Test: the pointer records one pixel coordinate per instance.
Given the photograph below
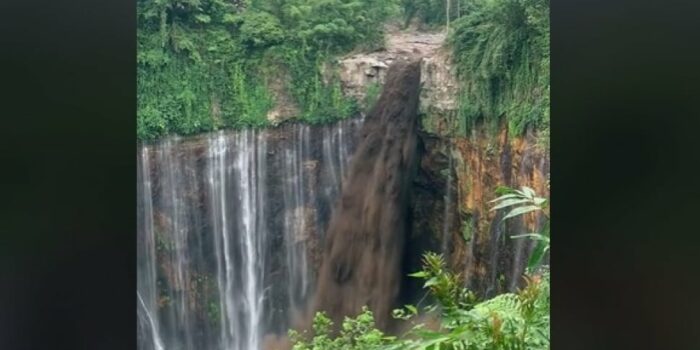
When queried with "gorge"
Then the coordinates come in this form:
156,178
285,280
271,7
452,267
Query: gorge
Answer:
232,225
244,233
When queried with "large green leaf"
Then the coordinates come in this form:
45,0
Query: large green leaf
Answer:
529,192
521,211
430,282
511,202
534,236
419,274
506,196
537,254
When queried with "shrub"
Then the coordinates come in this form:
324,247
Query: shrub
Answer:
260,30
200,62
505,322
501,49
511,321
358,333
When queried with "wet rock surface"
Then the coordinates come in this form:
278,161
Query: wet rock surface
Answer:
359,71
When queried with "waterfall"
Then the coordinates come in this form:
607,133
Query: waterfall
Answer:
229,223
146,252
157,343
295,223
363,258
448,205
217,172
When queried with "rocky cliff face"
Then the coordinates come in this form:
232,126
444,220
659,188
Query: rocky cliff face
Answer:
359,71
458,174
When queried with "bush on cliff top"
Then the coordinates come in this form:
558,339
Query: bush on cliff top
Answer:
203,64
501,49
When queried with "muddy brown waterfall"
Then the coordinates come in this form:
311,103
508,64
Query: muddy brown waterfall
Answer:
365,237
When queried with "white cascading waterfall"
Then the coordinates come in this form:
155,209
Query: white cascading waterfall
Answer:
295,218
146,253
219,171
228,223
157,343
238,160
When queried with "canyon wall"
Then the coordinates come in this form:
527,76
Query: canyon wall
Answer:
459,171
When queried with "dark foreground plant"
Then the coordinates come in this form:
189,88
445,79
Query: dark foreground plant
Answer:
512,321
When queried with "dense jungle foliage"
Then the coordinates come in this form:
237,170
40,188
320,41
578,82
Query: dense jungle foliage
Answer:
433,13
501,50
210,64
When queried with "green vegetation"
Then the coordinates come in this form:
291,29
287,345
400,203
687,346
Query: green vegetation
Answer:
433,12
372,95
510,321
207,64
501,48
214,313
522,202
210,64
357,333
